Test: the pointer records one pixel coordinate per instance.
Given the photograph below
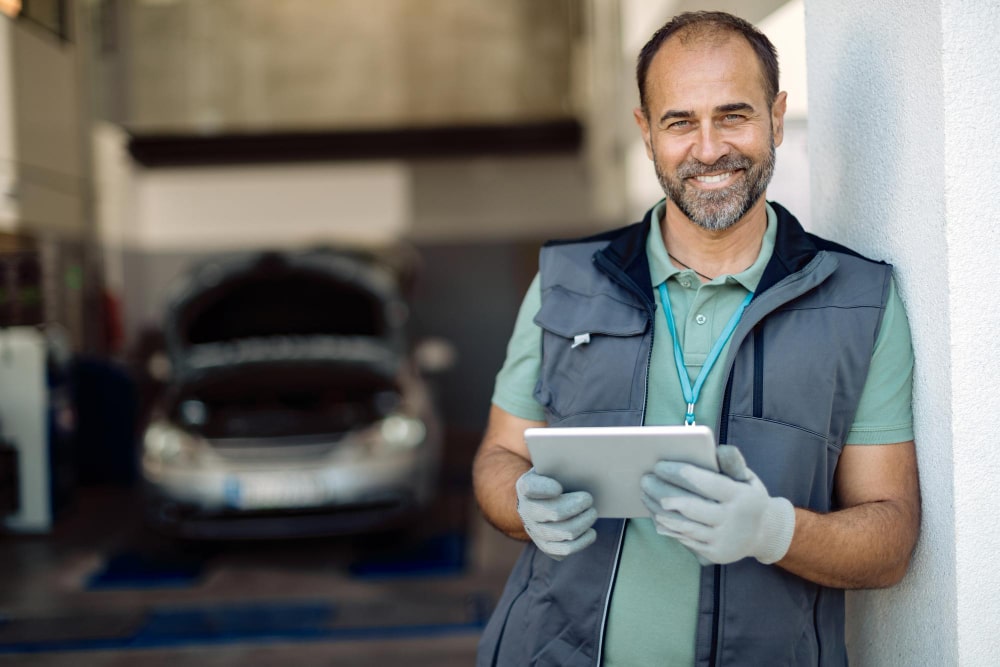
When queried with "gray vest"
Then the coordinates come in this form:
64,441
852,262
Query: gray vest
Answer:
796,369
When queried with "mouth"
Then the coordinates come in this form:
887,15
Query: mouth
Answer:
719,180
715,179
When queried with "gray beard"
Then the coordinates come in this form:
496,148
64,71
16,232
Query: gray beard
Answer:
718,210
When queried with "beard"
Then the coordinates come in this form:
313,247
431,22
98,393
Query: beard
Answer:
718,210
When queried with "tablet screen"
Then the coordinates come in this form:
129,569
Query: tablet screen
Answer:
609,461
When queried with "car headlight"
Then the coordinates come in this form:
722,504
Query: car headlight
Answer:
401,433
166,444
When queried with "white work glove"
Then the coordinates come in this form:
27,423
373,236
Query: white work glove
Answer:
558,523
720,517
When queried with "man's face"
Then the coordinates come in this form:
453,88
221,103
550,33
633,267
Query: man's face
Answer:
709,129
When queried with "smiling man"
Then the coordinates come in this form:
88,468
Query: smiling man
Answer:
716,308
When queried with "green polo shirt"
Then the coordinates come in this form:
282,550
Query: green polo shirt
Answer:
654,607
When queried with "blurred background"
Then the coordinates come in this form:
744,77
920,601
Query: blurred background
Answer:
258,265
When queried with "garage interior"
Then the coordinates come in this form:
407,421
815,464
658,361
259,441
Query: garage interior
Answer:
142,138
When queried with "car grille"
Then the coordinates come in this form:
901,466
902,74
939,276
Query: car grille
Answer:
300,448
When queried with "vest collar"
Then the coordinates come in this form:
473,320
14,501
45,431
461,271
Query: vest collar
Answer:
793,250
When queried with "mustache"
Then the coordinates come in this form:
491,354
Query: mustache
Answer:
693,167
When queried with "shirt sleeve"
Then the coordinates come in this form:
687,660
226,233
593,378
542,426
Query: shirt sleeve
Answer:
515,383
885,413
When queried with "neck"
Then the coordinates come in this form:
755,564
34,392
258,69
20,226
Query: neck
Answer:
714,253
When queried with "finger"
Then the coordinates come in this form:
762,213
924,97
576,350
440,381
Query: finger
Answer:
654,507
732,463
693,547
705,483
702,551
533,485
652,504
679,527
569,547
574,527
668,532
556,509
659,489
695,508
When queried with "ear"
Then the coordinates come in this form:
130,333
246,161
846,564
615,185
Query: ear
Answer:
643,122
778,117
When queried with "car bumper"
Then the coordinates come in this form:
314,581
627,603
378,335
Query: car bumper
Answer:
246,503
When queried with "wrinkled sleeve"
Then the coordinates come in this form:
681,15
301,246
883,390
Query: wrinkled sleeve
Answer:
515,383
885,413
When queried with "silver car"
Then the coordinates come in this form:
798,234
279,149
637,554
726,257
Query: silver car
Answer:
294,406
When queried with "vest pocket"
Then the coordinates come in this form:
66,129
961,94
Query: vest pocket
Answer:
592,348
792,462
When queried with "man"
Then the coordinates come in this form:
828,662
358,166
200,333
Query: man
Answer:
808,386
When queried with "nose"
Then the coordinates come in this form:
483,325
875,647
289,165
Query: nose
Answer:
708,145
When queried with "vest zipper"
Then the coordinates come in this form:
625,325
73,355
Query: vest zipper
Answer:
625,281
607,597
758,410
713,654
758,371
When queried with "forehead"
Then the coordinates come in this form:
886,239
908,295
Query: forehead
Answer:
688,74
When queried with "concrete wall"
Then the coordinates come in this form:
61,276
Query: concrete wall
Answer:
44,172
238,64
902,158
48,135
41,170
8,149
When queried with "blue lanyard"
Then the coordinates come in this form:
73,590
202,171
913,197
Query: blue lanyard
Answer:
691,395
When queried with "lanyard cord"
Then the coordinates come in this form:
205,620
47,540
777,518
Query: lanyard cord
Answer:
691,395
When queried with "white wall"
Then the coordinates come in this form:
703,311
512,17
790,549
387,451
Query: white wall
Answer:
972,206
903,157
230,208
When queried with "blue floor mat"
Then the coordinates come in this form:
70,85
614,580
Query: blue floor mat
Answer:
133,570
440,555
270,621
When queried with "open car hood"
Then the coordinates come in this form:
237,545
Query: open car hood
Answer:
285,309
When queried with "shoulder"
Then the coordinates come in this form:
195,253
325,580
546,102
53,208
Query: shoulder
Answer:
600,239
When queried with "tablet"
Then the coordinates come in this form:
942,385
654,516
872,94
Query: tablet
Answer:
609,461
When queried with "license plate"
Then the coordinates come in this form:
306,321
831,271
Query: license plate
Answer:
277,491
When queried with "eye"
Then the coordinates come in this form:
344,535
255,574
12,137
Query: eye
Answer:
679,125
732,118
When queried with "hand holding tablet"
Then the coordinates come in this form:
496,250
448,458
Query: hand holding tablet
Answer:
610,461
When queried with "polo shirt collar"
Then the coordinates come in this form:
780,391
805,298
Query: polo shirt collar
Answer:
662,269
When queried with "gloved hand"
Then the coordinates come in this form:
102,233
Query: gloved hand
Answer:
558,523
721,517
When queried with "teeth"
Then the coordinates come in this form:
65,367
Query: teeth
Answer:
713,179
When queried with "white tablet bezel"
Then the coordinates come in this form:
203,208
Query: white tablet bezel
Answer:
609,461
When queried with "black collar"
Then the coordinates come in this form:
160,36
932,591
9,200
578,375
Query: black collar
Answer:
793,249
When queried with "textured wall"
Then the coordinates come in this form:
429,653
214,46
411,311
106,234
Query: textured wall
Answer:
972,200
901,170
235,64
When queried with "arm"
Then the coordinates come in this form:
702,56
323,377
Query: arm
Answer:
726,516
502,458
868,543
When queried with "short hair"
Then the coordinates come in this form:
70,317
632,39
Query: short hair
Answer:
711,24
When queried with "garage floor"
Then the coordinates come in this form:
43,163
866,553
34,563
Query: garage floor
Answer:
103,591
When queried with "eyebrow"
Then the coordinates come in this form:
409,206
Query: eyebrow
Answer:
724,108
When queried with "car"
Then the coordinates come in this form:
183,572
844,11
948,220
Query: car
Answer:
294,404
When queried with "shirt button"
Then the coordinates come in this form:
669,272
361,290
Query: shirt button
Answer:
685,283
701,319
